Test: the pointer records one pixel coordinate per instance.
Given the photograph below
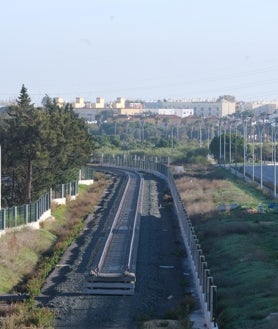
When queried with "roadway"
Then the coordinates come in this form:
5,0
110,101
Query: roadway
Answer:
267,172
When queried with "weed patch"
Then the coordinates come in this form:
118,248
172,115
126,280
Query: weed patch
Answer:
27,256
240,245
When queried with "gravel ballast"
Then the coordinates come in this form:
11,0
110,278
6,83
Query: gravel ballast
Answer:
162,274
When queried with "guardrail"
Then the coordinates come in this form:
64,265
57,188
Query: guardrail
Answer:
207,290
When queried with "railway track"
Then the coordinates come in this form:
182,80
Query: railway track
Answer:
114,270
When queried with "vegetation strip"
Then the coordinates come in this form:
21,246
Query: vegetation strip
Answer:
240,244
68,223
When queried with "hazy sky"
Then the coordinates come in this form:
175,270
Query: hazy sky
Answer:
148,49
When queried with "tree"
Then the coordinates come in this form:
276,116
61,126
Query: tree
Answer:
166,121
228,98
42,147
237,144
69,143
23,144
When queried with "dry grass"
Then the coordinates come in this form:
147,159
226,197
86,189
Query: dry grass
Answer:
19,253
20,250
70,216
22,316
202,194
240,245
23,255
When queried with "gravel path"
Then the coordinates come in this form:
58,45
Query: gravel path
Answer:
161,271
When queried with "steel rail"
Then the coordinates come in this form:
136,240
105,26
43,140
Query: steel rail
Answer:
115,222
115,271
136,226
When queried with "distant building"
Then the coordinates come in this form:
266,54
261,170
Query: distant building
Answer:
88,104
257,104
119,104
88,114
183,113
99,104
265,109
214,109
178,112
200,108
258,107
134,105
182,109
130,111
59,101
79,103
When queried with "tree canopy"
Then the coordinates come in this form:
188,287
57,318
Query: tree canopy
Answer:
41,147
221,146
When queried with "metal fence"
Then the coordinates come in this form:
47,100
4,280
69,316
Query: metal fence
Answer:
64,190
86,173
30,213
202,275
24,214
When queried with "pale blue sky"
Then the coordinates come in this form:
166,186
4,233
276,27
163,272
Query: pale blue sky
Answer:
148,49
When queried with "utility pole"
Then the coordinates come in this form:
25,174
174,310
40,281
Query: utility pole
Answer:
224,149
244,146
220,146
0,176
261,157
230,144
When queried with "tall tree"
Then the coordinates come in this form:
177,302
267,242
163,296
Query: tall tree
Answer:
42,147
221,144
70,143
23,137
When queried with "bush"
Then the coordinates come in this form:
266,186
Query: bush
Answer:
26,315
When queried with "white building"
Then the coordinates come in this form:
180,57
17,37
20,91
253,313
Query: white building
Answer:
182,113
201,108
79,103
99,104
59,101
119,104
